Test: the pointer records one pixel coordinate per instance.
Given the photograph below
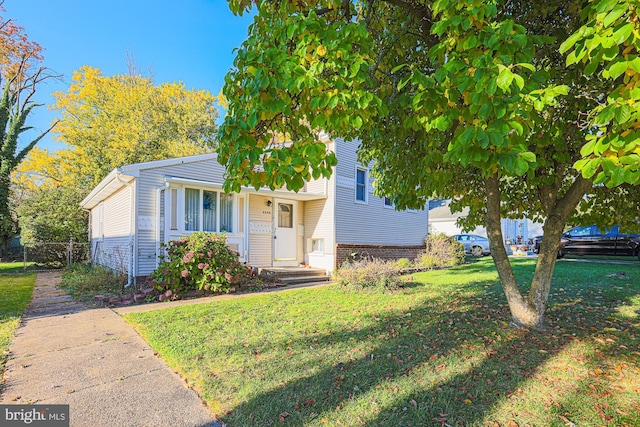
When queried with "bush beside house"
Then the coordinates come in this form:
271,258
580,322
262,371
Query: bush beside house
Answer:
200,261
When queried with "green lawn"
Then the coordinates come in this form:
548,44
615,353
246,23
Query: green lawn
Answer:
15,294
439,352
15,267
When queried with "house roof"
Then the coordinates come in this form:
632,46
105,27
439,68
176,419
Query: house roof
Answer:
443,213
119,177
263,191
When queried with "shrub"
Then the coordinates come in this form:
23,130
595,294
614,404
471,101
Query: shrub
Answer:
441,251
372,274
200,261
403,263
83,282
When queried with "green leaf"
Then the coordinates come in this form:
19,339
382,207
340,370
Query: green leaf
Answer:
496,139
606,115
623,114
569,42
617,69
521,166
528,156
483,112
519,81
623,33
403,82
631,176
635,65
587,149
526,65
504,80
616,13
398,68
517,127
441,123
605,5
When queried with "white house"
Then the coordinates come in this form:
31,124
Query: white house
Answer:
137,208
442,220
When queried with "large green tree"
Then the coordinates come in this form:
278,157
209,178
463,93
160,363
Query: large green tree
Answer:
19,77
463,99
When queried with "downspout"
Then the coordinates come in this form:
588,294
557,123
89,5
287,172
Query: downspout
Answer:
132,221
89,234
157,231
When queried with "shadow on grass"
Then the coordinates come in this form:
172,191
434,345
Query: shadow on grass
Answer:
431,365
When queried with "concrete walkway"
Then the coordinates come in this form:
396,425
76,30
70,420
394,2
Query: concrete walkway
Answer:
92,360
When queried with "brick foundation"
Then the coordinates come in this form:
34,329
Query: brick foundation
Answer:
344,251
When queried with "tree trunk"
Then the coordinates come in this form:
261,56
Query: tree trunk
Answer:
528,312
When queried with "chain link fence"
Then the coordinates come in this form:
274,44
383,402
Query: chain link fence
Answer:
53,254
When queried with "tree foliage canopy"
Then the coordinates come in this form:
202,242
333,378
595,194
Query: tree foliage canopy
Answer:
19,78
110,121
464,99
62,221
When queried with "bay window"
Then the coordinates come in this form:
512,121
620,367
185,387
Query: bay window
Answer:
206,210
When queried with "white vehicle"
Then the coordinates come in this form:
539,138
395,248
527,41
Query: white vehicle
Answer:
473,244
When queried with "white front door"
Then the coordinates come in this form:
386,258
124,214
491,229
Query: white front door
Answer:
285,236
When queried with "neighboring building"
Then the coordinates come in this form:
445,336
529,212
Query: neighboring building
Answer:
139,207
441,220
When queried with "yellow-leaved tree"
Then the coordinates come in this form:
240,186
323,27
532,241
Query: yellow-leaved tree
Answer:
106,122
110,121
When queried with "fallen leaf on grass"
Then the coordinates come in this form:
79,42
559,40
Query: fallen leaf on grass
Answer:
566,420
282,416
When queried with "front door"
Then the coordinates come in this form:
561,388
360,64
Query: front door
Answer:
285,234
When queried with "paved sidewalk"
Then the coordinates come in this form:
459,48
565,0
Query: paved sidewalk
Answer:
91,359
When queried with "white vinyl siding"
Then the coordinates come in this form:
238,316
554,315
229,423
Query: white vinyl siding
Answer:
112,240
319,220
151,179
371,223
260,231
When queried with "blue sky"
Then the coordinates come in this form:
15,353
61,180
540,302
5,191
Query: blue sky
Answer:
189,41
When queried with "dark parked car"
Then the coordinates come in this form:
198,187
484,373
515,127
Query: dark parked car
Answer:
590,240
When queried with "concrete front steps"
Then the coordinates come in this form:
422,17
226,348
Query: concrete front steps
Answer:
293,275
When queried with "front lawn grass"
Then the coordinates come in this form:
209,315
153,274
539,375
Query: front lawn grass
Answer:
15,295
15,267
439,352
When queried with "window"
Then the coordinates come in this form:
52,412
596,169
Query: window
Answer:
317,245
226,213
285,215
581,231
209,202
361,185
206,210
389,204
174,209
241,215
191,209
